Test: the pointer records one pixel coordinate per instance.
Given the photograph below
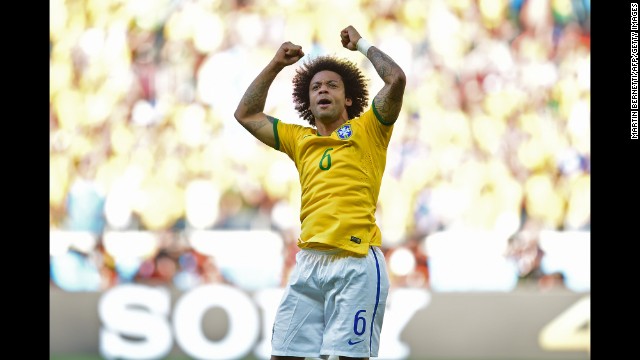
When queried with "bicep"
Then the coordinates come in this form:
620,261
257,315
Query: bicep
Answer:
261,127
388,102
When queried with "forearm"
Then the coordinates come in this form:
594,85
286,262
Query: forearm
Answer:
255,97
386,68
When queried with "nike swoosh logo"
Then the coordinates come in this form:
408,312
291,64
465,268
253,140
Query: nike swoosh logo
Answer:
353,343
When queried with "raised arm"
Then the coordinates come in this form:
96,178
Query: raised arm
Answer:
388,100
249,112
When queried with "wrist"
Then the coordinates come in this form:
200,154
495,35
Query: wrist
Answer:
363,46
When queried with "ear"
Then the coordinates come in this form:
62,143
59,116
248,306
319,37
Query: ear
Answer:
347,102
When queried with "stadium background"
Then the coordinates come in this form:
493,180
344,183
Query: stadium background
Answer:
486,191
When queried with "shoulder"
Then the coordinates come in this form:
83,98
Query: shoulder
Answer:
293,128
374,126
288,134
371,116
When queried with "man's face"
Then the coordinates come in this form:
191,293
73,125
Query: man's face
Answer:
327,97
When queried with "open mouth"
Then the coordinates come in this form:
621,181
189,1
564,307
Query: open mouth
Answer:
324,102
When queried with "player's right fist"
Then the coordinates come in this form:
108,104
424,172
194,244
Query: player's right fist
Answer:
288,54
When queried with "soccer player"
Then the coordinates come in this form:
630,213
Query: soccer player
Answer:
335,298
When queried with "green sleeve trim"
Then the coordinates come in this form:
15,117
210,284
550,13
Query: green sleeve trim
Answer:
275,134
378,116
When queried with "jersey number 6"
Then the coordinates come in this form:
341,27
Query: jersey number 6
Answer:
326,158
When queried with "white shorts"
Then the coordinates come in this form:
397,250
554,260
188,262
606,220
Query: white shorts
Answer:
333,304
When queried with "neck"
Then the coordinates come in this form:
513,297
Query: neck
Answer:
325,128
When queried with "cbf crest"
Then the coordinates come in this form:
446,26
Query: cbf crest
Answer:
344,132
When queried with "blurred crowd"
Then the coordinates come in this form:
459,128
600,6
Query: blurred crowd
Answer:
494,133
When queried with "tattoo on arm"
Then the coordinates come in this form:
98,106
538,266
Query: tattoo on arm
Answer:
254,126
382,63
255,97
388,100
388,103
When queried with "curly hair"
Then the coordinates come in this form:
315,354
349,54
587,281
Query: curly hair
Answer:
354,85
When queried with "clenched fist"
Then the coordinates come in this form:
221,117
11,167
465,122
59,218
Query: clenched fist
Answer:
349,37
288,54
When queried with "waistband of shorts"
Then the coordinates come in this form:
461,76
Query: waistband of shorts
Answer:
334,251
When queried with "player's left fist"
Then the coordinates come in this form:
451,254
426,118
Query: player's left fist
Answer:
349,37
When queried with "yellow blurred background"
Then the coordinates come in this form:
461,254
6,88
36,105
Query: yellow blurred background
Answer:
494,134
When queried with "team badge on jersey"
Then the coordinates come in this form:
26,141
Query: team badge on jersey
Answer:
344,132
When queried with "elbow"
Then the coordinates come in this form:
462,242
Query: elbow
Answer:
398,80
401,79
239,115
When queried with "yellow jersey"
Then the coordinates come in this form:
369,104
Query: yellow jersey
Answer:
340,177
